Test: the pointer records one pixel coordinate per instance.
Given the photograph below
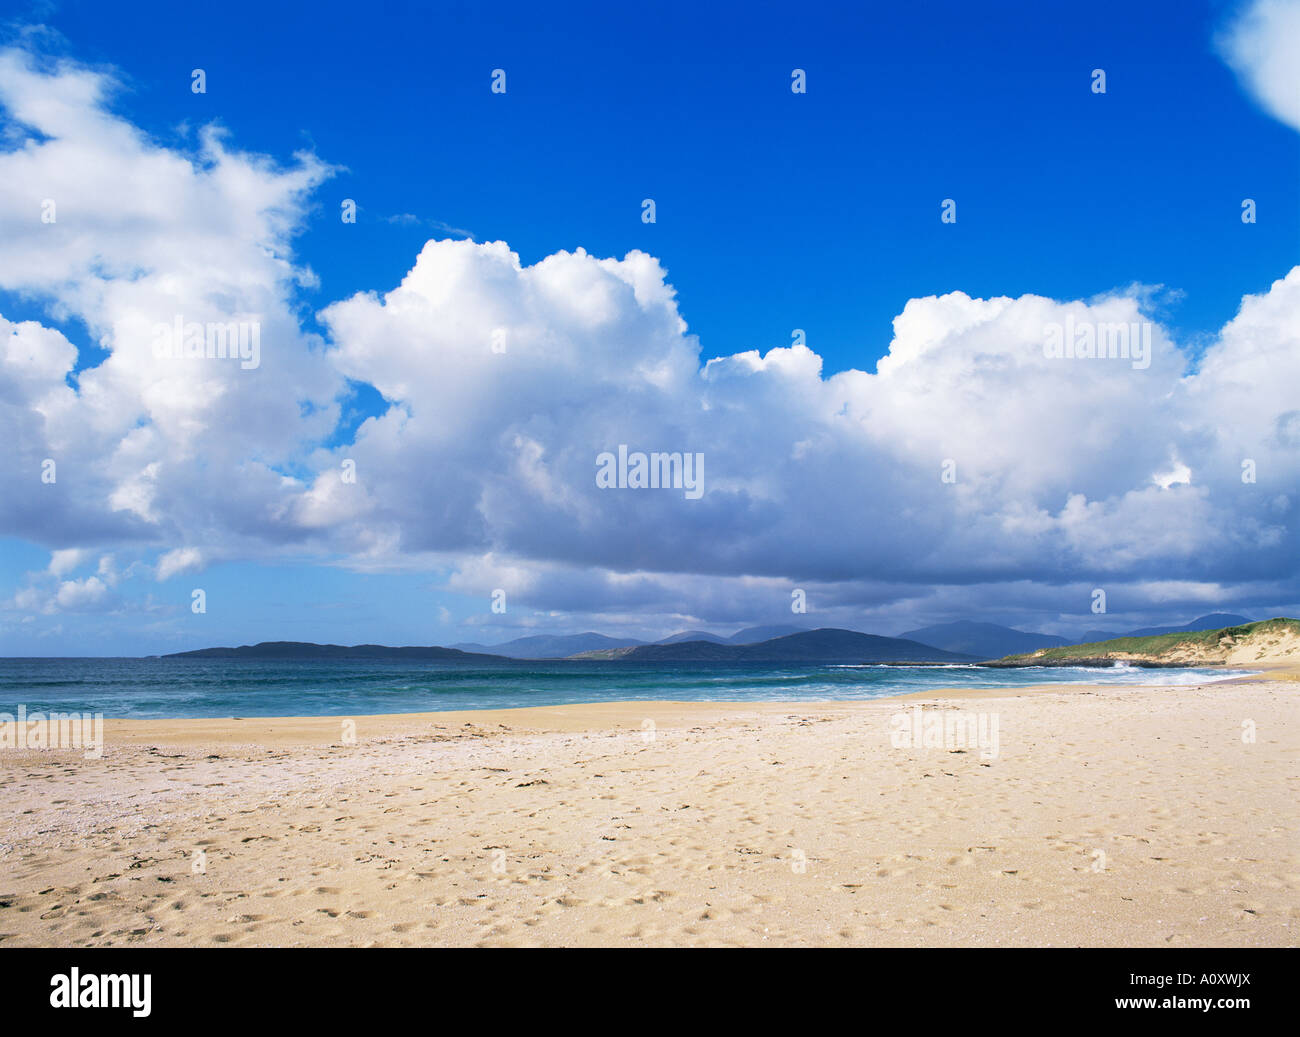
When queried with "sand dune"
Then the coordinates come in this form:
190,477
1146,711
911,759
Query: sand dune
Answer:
1119,816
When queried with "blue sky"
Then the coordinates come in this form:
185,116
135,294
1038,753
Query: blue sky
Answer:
775,211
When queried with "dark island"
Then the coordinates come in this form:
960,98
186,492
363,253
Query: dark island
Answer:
825,646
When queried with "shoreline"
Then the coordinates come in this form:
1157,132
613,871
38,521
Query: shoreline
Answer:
571,717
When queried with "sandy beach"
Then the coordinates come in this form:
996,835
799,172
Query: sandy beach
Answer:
1113,816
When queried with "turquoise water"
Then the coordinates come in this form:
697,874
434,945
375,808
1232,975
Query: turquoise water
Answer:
236,688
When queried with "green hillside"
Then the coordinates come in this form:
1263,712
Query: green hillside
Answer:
1155,649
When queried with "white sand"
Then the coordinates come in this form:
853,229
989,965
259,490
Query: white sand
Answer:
1116,816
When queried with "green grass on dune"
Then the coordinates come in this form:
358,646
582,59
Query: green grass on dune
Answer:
1160,644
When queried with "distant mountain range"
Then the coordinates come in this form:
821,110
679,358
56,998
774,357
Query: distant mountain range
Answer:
307,650
691,635
982,640
543,646
962,641
825,645
547,646
752,635
806,646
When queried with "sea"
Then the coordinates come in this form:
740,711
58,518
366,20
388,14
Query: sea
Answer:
179,688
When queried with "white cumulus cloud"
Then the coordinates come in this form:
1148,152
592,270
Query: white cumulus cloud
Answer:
969,458
1262,45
